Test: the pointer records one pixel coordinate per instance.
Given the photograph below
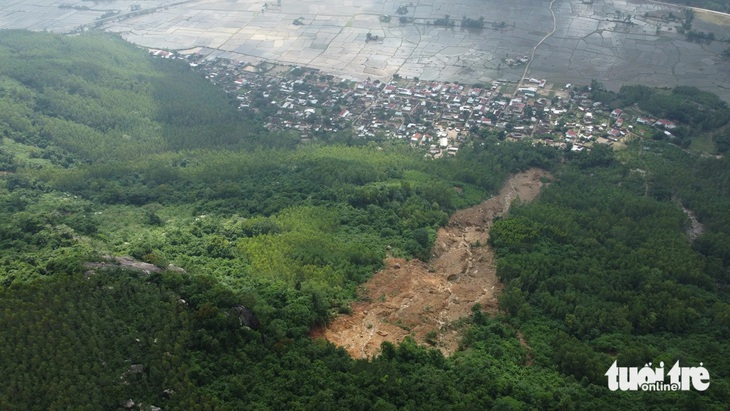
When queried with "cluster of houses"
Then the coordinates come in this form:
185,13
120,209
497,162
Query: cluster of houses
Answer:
585,122
438,116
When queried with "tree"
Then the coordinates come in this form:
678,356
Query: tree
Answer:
689,16
596,85
722,143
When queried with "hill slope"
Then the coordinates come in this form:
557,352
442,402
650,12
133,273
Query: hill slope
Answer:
275,239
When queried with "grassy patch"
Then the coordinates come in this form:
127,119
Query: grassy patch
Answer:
25,155
702,144
508,88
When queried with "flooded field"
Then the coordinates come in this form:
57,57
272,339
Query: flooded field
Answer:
613,41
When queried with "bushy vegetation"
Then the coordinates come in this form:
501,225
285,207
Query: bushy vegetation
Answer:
96,99
108,152
604,259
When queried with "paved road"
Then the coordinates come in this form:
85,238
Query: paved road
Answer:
534,49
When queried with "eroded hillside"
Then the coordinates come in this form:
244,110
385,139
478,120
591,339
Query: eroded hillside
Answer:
426,300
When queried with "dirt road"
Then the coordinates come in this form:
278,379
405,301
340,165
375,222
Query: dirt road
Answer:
426,300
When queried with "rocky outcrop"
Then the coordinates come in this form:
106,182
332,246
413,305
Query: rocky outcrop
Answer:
246,317
126,262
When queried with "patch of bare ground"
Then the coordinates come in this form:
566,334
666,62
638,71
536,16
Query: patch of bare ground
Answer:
427,300
129,263
695,228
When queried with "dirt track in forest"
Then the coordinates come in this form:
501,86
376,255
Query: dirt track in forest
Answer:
416,298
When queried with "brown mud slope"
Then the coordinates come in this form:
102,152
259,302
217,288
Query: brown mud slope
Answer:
426,300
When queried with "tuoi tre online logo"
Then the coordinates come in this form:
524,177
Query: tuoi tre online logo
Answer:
650,379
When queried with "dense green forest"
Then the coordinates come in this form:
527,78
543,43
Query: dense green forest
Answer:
108,152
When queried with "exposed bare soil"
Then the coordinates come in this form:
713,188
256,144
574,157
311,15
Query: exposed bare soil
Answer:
696,228
416,298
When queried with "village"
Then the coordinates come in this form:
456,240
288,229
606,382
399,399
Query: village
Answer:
435,116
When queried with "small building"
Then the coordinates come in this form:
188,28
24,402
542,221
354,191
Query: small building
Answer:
665,124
